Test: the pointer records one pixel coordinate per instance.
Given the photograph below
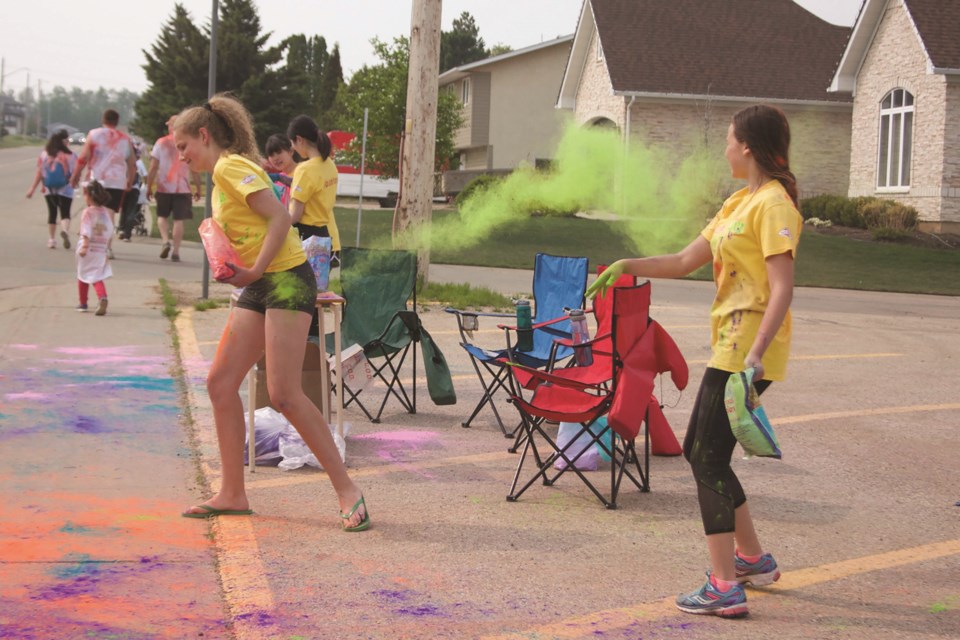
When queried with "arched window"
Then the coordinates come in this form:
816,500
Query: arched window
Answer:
896,140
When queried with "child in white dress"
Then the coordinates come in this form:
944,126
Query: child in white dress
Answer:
96,229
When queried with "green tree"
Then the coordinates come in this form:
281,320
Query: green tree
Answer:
383,90
176,71
462,44
309,57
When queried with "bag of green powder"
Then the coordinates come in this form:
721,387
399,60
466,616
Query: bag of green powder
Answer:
748,420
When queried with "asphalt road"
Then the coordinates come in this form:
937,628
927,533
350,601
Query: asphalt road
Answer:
860,513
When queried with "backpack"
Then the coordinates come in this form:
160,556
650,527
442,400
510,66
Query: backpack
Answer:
55,174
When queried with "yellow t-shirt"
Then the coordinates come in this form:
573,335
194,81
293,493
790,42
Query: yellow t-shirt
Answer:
315,185
235,178
748,229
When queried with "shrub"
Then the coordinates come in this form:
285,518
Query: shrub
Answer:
836,209
480,183
889,215
885,234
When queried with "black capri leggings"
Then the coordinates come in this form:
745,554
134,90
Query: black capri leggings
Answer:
708,447
57,202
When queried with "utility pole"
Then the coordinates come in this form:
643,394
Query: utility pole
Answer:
414,206
211,90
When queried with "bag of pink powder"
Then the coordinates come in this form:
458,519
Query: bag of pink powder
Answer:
219,250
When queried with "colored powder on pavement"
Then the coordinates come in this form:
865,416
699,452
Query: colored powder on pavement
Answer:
661,201
86,424
69,527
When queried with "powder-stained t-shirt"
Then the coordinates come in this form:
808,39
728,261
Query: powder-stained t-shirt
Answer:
748,229
315,185
173,175
96,225
235,178
108,161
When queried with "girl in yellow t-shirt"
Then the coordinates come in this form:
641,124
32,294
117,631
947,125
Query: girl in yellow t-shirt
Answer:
752,242
272,314
314,189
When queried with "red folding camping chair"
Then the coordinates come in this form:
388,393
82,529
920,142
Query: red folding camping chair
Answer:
618,384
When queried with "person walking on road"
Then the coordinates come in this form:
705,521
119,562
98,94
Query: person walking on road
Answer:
271,315
54,168
752,242
96,229
172,179
112,163
314,189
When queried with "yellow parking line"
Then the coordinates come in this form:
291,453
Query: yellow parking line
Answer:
620,618
245,586
828,356
879,411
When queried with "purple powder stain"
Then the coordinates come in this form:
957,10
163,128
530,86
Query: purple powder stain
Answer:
86,424
261,618
396,596
81,585
406,436
27,395
421,611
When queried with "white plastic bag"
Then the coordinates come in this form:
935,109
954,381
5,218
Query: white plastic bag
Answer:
267,426
590,460
296,453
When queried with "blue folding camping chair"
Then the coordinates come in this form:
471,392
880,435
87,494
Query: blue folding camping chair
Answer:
559,283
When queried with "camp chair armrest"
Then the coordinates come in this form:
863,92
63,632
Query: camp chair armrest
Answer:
568,342
485,314
546,376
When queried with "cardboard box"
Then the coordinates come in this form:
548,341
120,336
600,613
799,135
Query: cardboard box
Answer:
312,383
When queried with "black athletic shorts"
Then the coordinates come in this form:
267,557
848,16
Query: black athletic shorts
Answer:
179,204
293,290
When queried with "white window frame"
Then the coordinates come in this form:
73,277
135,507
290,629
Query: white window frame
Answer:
895,136
465,91
599,48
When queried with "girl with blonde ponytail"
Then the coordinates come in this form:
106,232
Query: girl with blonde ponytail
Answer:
273,313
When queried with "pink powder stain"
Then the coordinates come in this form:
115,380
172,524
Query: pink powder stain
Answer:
23,347
408,436
26,395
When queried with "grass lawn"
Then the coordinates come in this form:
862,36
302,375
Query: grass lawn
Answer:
11,141
824,261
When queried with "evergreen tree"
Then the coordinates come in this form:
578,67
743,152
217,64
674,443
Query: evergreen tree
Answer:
176,71
330,83
462,44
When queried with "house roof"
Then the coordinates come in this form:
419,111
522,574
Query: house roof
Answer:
936,24
771,49
452,75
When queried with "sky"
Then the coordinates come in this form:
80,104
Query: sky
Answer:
70,43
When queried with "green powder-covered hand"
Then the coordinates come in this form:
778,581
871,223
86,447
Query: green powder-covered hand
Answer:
606,279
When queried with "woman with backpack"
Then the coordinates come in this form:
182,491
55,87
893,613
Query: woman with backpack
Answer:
54,168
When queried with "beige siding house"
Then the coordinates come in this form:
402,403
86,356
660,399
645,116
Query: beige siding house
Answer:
508,106
902,65
674,73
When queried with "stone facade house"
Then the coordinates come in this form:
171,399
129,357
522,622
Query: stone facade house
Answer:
902,66
508,109
673,73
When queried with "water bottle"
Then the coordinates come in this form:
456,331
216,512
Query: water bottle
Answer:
580,334
524,326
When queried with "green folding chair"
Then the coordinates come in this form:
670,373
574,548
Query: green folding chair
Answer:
377,285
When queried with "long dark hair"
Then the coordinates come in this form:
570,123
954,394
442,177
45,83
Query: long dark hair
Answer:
766,132
58,143
306,128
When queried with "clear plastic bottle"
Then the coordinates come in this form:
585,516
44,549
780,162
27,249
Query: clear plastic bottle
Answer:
580,334
524,326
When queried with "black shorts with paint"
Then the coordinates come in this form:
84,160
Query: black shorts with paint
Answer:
293,290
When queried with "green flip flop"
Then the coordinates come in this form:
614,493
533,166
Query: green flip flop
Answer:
364,524
210,512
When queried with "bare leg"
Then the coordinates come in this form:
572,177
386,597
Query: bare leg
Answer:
164,233
177,236
286,333
241,345
720,546
746,535
52,228
65,225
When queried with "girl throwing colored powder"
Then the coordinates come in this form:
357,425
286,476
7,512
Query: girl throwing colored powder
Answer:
273,313
752,242
96,229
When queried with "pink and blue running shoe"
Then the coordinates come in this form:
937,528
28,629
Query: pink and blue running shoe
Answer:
760,573
708,600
